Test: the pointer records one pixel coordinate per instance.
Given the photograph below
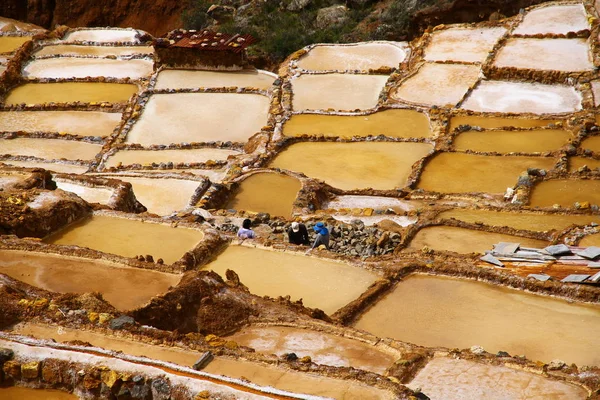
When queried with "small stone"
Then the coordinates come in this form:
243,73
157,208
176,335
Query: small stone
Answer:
161,390
290,357
306,360
556,364
5,355
502,354
121,322
30,370
93,317
104,317
109,378
477,350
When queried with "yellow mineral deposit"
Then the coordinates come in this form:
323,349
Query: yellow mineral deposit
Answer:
565,192
65,92
82,123
530,141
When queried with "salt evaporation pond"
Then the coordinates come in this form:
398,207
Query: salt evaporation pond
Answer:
124,287
250,196
577,162
82,123
72,67
379,165
200,117
8,44
462,172
337,91
50,149
322,348
437,84
128,238
591,143
90,194
523,97
398,123
500,141
565,192
98,51
463,44
189,79
20,393
458,313
360,56
489,122
148,157
461,240
55,167
65,92
320,283
590,240
556,18
521,220
102,35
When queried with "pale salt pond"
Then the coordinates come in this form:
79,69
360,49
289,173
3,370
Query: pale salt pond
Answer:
360,56
64,92
102,35
555,18
463,44
98,51
147,157
55,167
190,79
81,123
71,67
90,194
50,149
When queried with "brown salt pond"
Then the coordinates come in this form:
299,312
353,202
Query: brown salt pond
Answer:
458,313
337,91
461,240
189,79
393,123
76,67
531,141
527,221
21,393
462,172
90,194
323,348
124,287
452,379
489,122
266,192
98,51
200,117
145,157
8,44
379,165
324,284
257,373
463,44
591,143
128,238
55,167
50,149
359,56
577,162
565,192
82,123
64,92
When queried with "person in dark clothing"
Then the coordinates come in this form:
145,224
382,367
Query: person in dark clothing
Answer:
298,234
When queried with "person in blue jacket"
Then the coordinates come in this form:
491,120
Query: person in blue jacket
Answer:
322,235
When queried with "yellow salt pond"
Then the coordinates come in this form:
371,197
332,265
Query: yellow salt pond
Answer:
75,67
22,393
379,165
266,192
322,348
8,44
64,92
323,284
461,172
55,167
590,240
90,194
358,56
461,240
337,91
521,220
531,141
124,287
145,157
397,123
458,313
490,122
591,143
190,79
82,123
200,117
577,162
565,192
128,238
50,149
98,51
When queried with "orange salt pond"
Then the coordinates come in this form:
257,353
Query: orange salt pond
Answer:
393,123
9,44
490,122
591,143
82,123
462,172
379,165
64,92
456,313
565,192
22,393
128,238
577,162
320,283
124,287
531,141
461,240
282,192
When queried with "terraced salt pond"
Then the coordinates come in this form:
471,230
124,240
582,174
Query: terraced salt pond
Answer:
250,196
200,117
590,240
360,56
526,221
557,19
461,240
354,165
500,141
591,143
396,123
146,157
8,44
490,122
90,194
128,238
82,123
565,192
577,162
102,35
98,51
463,44
50,149
462,173
65,92
320,283
67,67
323,348
124,287
55,167
459,314
20,393
346,92
188,79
